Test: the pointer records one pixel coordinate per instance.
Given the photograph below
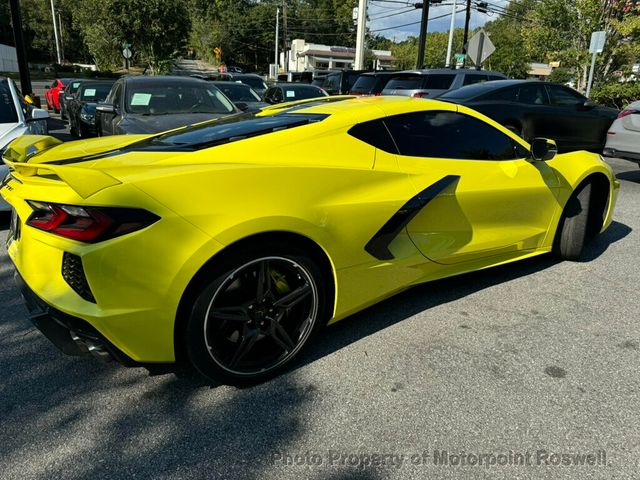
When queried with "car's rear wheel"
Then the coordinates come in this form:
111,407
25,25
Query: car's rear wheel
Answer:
571,235
255,314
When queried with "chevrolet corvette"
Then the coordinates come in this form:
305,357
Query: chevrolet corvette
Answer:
228,244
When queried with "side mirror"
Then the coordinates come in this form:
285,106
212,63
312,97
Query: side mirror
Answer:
39,114
242,106
543,149
106,108
68,98
47,87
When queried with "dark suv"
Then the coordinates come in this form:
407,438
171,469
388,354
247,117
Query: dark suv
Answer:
371,83
340,82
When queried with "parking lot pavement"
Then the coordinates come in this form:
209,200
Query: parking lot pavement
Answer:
534,357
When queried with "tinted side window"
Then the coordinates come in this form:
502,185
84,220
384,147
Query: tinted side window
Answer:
532,95
375,134
472,78
449,135
564,96
332,82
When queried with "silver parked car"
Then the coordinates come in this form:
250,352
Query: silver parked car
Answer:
433,82
623,136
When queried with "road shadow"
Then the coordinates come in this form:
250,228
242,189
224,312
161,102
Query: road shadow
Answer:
630,176
424,297
5,218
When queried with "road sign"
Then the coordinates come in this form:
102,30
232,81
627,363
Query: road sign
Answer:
597,41
480,48
126,53
460,57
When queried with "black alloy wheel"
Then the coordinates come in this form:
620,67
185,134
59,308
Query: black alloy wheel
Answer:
252,320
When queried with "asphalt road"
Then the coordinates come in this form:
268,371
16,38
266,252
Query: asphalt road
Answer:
539,356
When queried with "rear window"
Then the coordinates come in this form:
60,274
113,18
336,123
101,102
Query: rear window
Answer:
473,78
226,130
8,112
364,84
431,81
405,83
439,82
470,91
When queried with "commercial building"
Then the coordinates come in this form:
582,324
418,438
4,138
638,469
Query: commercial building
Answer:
308,57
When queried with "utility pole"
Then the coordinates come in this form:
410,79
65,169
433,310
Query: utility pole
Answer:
466,30
23,66
362,26
285,35
423,32
55,32
61,35
452,27
276,59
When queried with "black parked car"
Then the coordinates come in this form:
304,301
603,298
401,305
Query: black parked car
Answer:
81,108
156,104
67,94
340,82
371,83
289,92
241,95
536,109
253,80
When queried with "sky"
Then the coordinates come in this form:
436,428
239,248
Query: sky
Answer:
378,9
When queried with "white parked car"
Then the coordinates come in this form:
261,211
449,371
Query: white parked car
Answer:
17,118
623,137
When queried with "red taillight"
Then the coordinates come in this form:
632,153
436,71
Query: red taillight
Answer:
87,224
626,112
419,94
377,94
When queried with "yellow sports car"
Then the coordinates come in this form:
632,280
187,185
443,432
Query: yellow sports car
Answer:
228,244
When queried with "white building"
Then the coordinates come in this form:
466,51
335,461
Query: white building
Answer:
8,59
307,57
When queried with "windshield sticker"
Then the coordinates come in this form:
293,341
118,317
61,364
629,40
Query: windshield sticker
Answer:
90,92
291,93
141,99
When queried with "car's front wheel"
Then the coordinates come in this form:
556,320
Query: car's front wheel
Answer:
255,314
571,235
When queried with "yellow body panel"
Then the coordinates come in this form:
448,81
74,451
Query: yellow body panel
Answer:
314,180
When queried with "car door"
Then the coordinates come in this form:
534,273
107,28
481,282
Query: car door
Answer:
574,125
478,194
106,122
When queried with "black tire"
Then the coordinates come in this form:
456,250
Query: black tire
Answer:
259,337
571,235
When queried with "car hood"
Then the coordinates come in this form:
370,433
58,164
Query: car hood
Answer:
10,131
161,123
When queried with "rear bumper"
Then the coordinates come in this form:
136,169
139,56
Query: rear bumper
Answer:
613,152
72,335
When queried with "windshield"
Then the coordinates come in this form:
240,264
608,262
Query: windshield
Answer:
165,99
73,87
95,93
300,92
8,112
238,92
253,82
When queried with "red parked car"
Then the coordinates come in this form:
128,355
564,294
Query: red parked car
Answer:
52,94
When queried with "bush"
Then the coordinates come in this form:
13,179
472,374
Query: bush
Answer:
617,95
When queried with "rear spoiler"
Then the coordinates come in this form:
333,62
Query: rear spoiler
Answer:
84,181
